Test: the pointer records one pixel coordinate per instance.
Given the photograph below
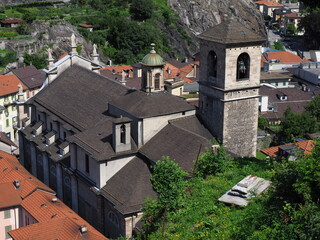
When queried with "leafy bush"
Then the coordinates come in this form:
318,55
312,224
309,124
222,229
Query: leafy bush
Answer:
212,163
39,61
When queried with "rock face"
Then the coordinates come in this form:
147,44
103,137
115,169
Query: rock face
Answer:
55,34
200,15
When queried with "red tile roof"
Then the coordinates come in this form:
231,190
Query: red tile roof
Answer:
293,15
306,146
119,68
62,56
269,3
285,57
85,25
55,219
9,84
57,228
12,20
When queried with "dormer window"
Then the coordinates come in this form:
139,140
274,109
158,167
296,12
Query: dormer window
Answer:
283,98
121,134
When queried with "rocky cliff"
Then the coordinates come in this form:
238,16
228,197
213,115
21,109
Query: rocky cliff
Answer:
199,15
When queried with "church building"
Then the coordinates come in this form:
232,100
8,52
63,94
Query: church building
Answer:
93,140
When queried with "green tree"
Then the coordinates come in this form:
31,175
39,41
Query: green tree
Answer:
22,28
168,181
262,122
295,125
314,108
291,30
278,45
28,17
210,163
141,9
39,61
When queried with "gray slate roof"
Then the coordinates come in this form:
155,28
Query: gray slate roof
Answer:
129,188
30,76
98,141
231,32
177,143
143,105
79,96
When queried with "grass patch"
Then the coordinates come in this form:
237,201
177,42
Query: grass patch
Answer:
204,217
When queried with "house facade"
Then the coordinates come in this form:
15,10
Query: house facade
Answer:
11,90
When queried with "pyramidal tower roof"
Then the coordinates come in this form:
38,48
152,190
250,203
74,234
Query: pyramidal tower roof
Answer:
231,32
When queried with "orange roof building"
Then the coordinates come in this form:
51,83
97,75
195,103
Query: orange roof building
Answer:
9,85
31,209
290,149
266,7
279,60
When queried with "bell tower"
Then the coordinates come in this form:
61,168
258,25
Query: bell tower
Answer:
229,85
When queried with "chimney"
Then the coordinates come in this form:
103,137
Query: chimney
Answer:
123,78
16,183
83,229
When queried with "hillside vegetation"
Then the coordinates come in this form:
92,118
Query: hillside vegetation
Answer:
288,210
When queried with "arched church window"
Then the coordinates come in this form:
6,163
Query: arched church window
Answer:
243,66
113,218
212,66
157,81
123,134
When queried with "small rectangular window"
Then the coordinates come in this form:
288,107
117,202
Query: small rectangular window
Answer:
87,164
64,135
7,214
7,229
7,122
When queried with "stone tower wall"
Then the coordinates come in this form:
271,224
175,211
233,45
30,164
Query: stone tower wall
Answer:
229,107
240,126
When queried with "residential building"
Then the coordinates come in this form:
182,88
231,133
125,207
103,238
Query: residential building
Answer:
290,151
10,22
279,79
30,210
86,26
31,77
309,72
293,19
267,7
275,61
9,97
273,102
